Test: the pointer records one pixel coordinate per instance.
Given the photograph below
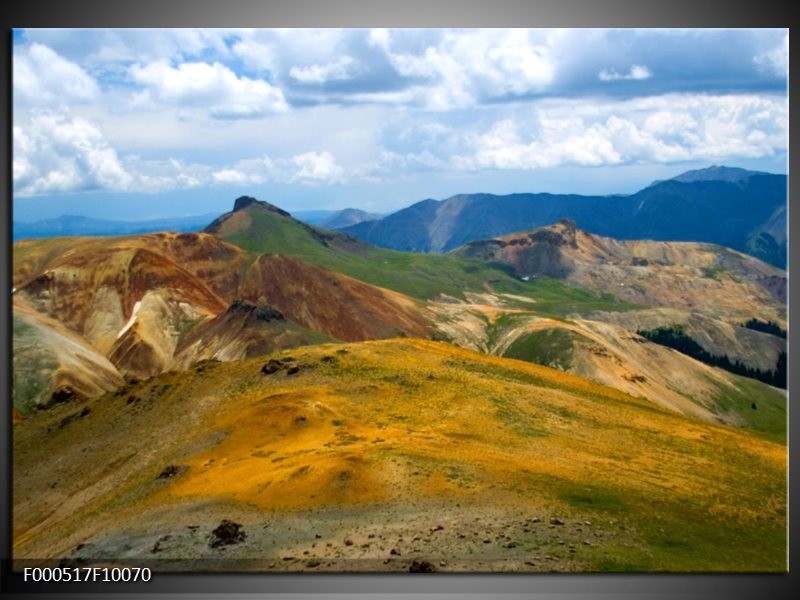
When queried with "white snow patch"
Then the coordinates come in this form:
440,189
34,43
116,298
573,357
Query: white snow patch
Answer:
130,322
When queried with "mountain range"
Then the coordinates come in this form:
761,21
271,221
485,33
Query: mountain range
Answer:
740,209
352,407
155,302
78,225
743,210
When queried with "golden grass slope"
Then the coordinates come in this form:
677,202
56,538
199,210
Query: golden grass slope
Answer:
611,354
394,439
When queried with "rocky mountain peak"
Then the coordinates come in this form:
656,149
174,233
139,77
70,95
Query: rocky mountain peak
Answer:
562,233
243,202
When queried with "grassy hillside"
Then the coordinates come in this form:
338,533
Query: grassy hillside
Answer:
421,276
370,456
550,347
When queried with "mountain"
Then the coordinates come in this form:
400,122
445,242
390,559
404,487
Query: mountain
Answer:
130,297
719,205
375,455
242,331
744,287
707,290
717,173
148,302
723,283
140,300
347,217
261,228
331,303
78,225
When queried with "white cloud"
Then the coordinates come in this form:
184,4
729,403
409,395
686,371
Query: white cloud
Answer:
636,73
42,77
317,167
212,86
55,152
651,130
465,68
256,55
341,69
247,172
231,176
415,101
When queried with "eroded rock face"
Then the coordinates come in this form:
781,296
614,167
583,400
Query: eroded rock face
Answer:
713,280
132,298
329,302
54,365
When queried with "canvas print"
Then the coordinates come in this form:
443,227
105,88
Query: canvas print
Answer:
400,300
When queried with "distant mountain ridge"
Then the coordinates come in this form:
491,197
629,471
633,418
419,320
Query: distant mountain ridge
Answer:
79,225
732,207
717,173
347,217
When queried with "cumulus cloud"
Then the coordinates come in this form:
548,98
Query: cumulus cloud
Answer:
308,168
56,152
212,86
42,77
378,105
317,167
247,172
231,176
636,73
651,130
465,68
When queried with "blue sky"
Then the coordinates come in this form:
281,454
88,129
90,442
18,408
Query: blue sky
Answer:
164,122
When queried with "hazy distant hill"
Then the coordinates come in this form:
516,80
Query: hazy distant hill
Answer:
77,225
714,173
743,210
346,217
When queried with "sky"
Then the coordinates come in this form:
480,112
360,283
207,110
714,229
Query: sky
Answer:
149,123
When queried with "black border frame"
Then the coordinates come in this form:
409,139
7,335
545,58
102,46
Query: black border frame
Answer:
401,13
